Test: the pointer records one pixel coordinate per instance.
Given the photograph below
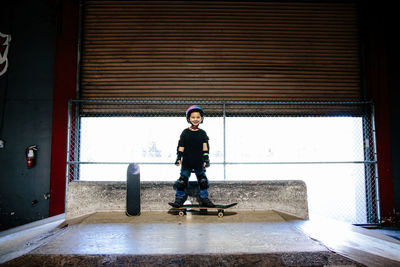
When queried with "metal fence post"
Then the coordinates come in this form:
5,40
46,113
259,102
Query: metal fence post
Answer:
378,212
68,140
224,133
77,130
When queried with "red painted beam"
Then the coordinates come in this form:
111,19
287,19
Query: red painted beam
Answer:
376,78
65,70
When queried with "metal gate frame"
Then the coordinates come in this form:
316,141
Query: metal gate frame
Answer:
370,158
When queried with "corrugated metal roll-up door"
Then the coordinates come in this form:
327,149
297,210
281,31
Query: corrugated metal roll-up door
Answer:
220,50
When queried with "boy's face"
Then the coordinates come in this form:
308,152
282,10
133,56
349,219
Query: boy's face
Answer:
195,118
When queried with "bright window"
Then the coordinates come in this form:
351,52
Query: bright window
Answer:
325,152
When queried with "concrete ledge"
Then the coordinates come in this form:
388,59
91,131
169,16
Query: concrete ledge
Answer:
289,197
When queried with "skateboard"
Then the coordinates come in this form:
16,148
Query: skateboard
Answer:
133,190
219,208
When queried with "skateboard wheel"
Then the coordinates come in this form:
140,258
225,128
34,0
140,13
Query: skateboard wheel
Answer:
220,213
181,213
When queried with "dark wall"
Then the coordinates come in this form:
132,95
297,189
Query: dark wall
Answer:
394,85
393,45
26,109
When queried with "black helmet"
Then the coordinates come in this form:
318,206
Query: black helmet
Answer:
192,109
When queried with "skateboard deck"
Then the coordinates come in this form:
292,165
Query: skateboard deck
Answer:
219,208
133,190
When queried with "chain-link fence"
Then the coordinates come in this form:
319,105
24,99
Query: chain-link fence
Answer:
329,145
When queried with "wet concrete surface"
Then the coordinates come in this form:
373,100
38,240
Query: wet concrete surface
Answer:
161,233
240,238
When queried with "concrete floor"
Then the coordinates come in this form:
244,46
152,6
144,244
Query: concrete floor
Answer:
240,238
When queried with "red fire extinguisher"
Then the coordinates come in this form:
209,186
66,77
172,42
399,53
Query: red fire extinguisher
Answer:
31,155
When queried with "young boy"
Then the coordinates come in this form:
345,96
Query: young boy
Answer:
193,148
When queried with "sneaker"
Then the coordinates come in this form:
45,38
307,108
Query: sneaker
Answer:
205,202
178,202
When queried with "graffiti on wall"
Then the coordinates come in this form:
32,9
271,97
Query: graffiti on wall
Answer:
4,46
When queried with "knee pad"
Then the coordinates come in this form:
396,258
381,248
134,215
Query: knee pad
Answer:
203,182
181,183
